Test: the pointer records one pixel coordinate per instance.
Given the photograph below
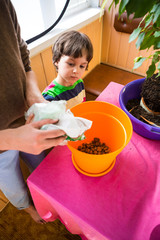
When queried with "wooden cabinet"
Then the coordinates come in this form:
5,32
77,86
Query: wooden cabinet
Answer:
38,68
49,68
94,32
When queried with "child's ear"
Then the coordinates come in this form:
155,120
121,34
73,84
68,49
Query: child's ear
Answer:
56,66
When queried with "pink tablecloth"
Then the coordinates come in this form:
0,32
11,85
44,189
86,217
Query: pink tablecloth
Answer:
122,205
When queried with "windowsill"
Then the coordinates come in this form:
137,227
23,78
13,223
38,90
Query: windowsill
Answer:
74,22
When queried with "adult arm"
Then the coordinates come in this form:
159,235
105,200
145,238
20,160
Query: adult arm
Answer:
33,93
29,138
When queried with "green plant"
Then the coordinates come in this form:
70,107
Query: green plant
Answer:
147,36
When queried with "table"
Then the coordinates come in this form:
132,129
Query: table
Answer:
121,205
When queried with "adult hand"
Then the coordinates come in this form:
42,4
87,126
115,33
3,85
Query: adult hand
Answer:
30,118
30,138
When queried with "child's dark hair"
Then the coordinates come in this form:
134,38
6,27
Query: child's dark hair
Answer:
72,43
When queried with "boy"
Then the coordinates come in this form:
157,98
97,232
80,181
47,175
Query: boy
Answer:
72,53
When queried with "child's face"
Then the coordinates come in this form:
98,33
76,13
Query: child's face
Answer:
70,69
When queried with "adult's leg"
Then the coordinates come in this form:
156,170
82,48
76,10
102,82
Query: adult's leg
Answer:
12,183
31,160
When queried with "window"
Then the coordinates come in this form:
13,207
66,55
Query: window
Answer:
36,16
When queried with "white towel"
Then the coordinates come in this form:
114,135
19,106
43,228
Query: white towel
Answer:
74,127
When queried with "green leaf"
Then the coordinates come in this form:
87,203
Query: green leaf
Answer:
157,13
140,39
158,52
134,34
139,7
151,70
158,22
103,7
122,6
116,2
148,41
155,58
158,67
104,4
157,34
154,8
157,43
111,5
148,20
138,62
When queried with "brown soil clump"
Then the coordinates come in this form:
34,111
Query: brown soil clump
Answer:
151,95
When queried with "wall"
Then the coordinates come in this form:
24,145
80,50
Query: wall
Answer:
116,50
110,47
42,63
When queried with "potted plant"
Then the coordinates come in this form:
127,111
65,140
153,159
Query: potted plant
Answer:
148,36
146,107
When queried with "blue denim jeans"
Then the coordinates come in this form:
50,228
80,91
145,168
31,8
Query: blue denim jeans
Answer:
12,183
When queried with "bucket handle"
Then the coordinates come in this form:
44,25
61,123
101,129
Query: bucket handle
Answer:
153,129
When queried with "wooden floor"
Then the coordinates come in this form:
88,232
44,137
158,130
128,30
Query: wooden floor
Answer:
102,75
3,201
18,225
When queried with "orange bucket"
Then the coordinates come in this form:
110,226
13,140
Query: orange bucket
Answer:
111,125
